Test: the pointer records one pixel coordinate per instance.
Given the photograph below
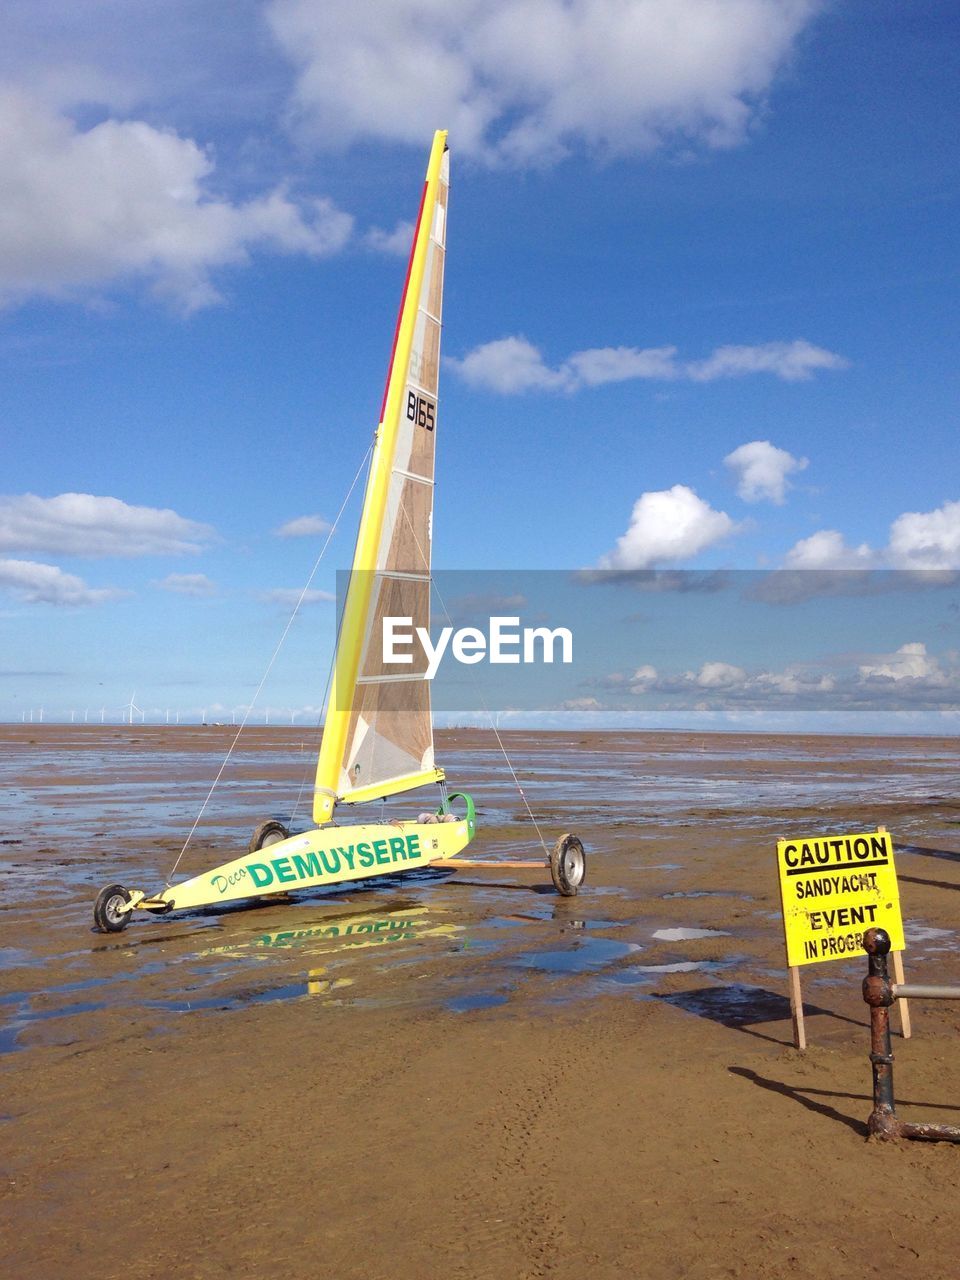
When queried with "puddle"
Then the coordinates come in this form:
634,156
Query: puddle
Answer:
638,978
543,917
688,935
192,1006
709,893
584,955
482,1000
26,1017
927,933
336,951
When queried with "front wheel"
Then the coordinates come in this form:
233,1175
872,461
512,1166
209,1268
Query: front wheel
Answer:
269,832
568,865
108,915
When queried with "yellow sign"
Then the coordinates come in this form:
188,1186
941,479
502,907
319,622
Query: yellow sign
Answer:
834,888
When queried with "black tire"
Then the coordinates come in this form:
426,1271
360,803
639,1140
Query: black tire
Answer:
568,866
269,832
106,915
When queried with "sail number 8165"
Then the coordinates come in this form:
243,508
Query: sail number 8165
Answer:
421,410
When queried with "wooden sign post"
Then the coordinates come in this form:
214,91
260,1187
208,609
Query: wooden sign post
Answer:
832,889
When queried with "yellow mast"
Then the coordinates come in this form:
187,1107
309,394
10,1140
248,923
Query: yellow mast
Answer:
356,608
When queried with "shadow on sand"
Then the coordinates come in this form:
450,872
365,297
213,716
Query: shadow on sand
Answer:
802,1094
948,855
742,1007
932,884
859,1127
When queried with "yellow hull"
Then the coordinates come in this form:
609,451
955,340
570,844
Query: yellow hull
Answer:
315,859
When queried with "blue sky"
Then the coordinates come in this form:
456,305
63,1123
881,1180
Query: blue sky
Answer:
700,313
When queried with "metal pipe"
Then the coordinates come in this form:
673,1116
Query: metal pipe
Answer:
878,993
930,1132
920,991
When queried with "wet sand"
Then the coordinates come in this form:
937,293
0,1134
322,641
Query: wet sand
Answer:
467,1076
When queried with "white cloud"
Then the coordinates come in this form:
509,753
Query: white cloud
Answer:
46,584
197,585
720,675
81,524
827,549
396,242
524,81
926,539
792,682
288,597
821,565
910,677
508,365
581,704
790,361
670,524
303,527
721,682
762,469
125,200
619,364
923,541
513,364
910,662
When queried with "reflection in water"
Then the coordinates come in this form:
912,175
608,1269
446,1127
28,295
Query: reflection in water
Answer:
354,929
688,935
318,984
217,969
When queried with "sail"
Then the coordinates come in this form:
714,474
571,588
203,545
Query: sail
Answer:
378,729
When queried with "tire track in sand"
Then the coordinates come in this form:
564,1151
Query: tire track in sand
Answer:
516,1221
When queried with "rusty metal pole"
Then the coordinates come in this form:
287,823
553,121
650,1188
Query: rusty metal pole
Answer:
878,993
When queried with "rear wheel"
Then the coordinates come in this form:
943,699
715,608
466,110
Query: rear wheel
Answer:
108,913
568,865
270,832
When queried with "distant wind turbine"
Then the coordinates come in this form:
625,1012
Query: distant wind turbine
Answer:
132,707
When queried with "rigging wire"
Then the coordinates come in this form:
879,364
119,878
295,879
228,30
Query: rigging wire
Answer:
496,731
319,724
479,692
276,652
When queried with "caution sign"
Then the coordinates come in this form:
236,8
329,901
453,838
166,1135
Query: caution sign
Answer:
834,888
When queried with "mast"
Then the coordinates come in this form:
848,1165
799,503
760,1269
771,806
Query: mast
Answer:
368,557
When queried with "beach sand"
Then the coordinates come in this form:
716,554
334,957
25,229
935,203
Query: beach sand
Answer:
458,1077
